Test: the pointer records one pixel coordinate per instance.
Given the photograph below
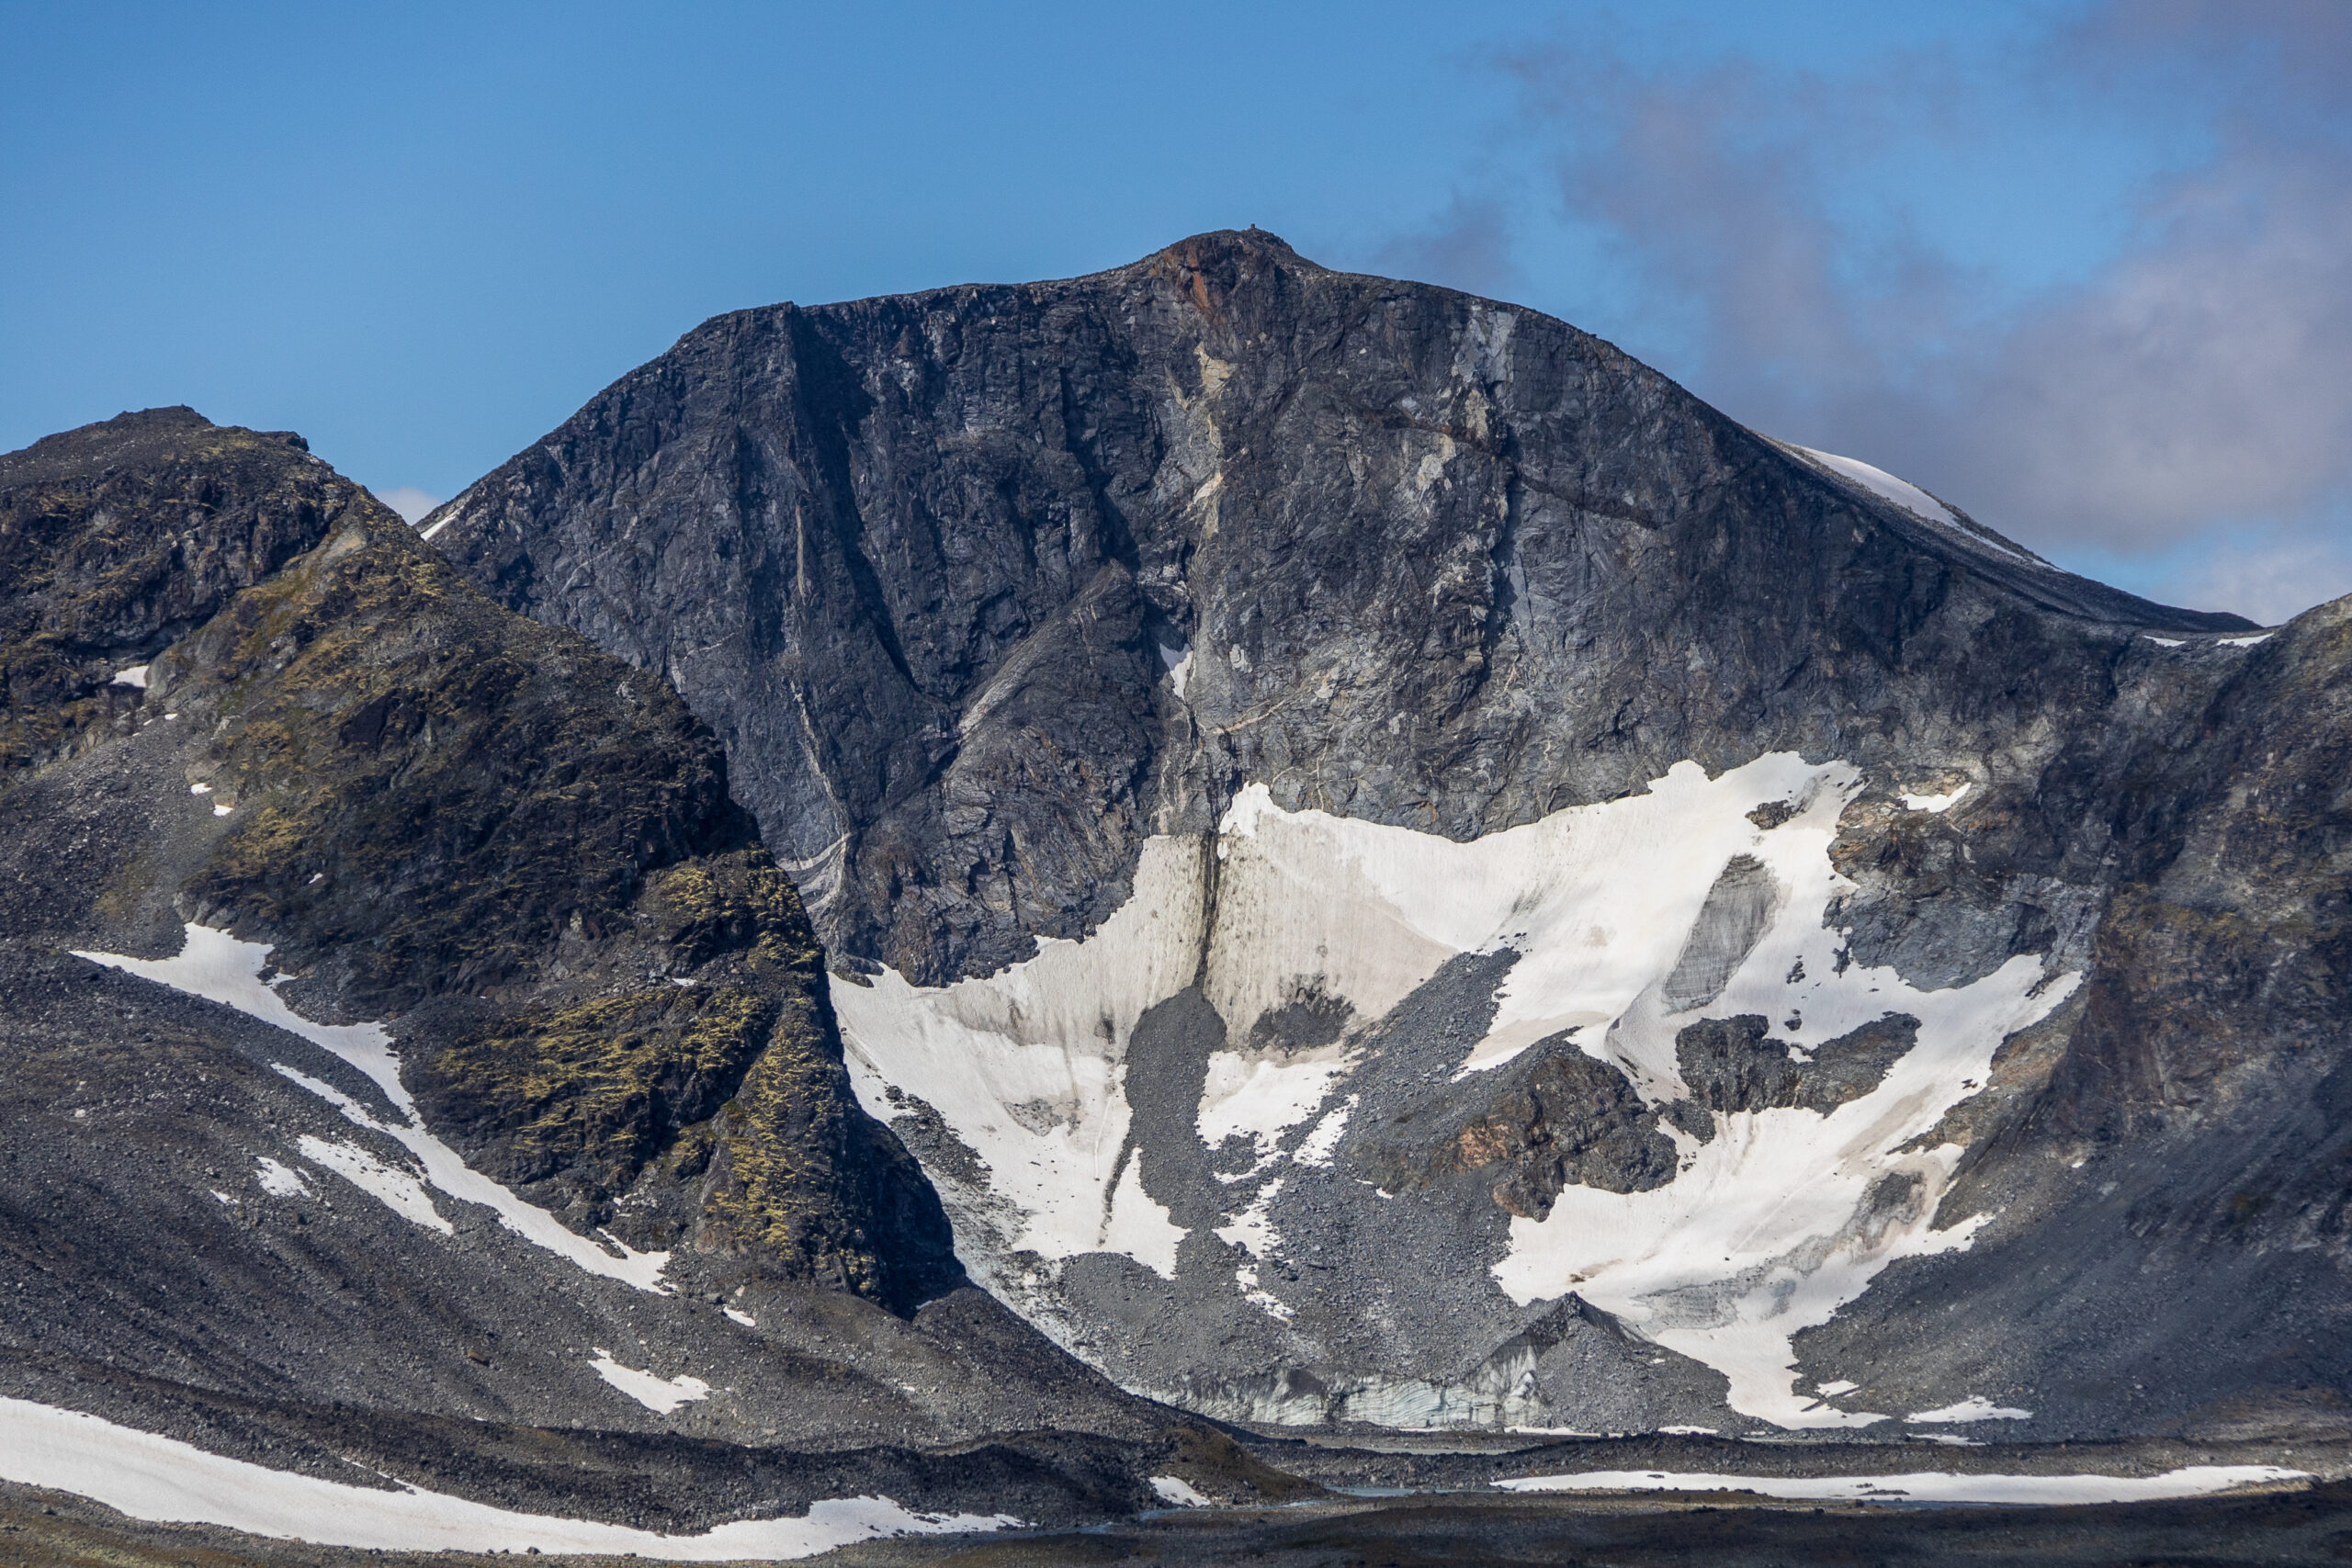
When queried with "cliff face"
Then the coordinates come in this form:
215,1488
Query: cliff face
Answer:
929,566
1393,864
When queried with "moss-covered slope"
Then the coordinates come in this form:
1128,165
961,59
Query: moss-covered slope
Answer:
117,538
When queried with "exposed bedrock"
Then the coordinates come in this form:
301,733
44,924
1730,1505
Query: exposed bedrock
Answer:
1391,864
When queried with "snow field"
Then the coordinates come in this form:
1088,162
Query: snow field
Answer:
162,1480
1771,1226
1912,498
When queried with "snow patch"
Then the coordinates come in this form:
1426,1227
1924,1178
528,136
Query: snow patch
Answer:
1252,1231
2247,641
745,1319
1975,1408
1179,669
1690,1431
135,676
278,1181
1318,1146
1832,1389
1258,1296
1914,501
2166,641
200,789
399,1191
1262,1097
1938,804
167,1481
1927,1486
222,810
661,1395
1177,1493
218,968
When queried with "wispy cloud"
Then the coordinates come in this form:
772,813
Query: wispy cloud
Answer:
2180,410
411,503
1467,246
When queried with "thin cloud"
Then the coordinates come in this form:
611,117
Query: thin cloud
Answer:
1467,246
411,503
2188,400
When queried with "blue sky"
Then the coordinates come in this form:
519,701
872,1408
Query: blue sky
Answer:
2083,268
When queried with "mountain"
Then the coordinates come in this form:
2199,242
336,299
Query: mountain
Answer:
1395,866
1223,882
595,1208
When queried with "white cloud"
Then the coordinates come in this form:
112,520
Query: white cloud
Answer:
411,503
2176,412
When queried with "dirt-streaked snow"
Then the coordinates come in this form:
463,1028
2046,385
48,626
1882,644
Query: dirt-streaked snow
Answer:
221,968
1975,1408
279,1181
661,1395
398,1190
165,1480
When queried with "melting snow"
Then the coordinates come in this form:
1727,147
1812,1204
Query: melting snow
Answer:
1262,1098
1318,1145
159,1479
1176,1492
1973,1408
661,1395
1258,1296
399,1190
1930,1486
1251,1231
220,968
745,1319
278,1181
2166,641
1939,804
1914,499
136,675
2247,641
1782,1217
1028,1068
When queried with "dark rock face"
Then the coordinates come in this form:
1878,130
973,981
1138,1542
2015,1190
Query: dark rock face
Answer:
923,564
1735,1065
118,538
984,587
